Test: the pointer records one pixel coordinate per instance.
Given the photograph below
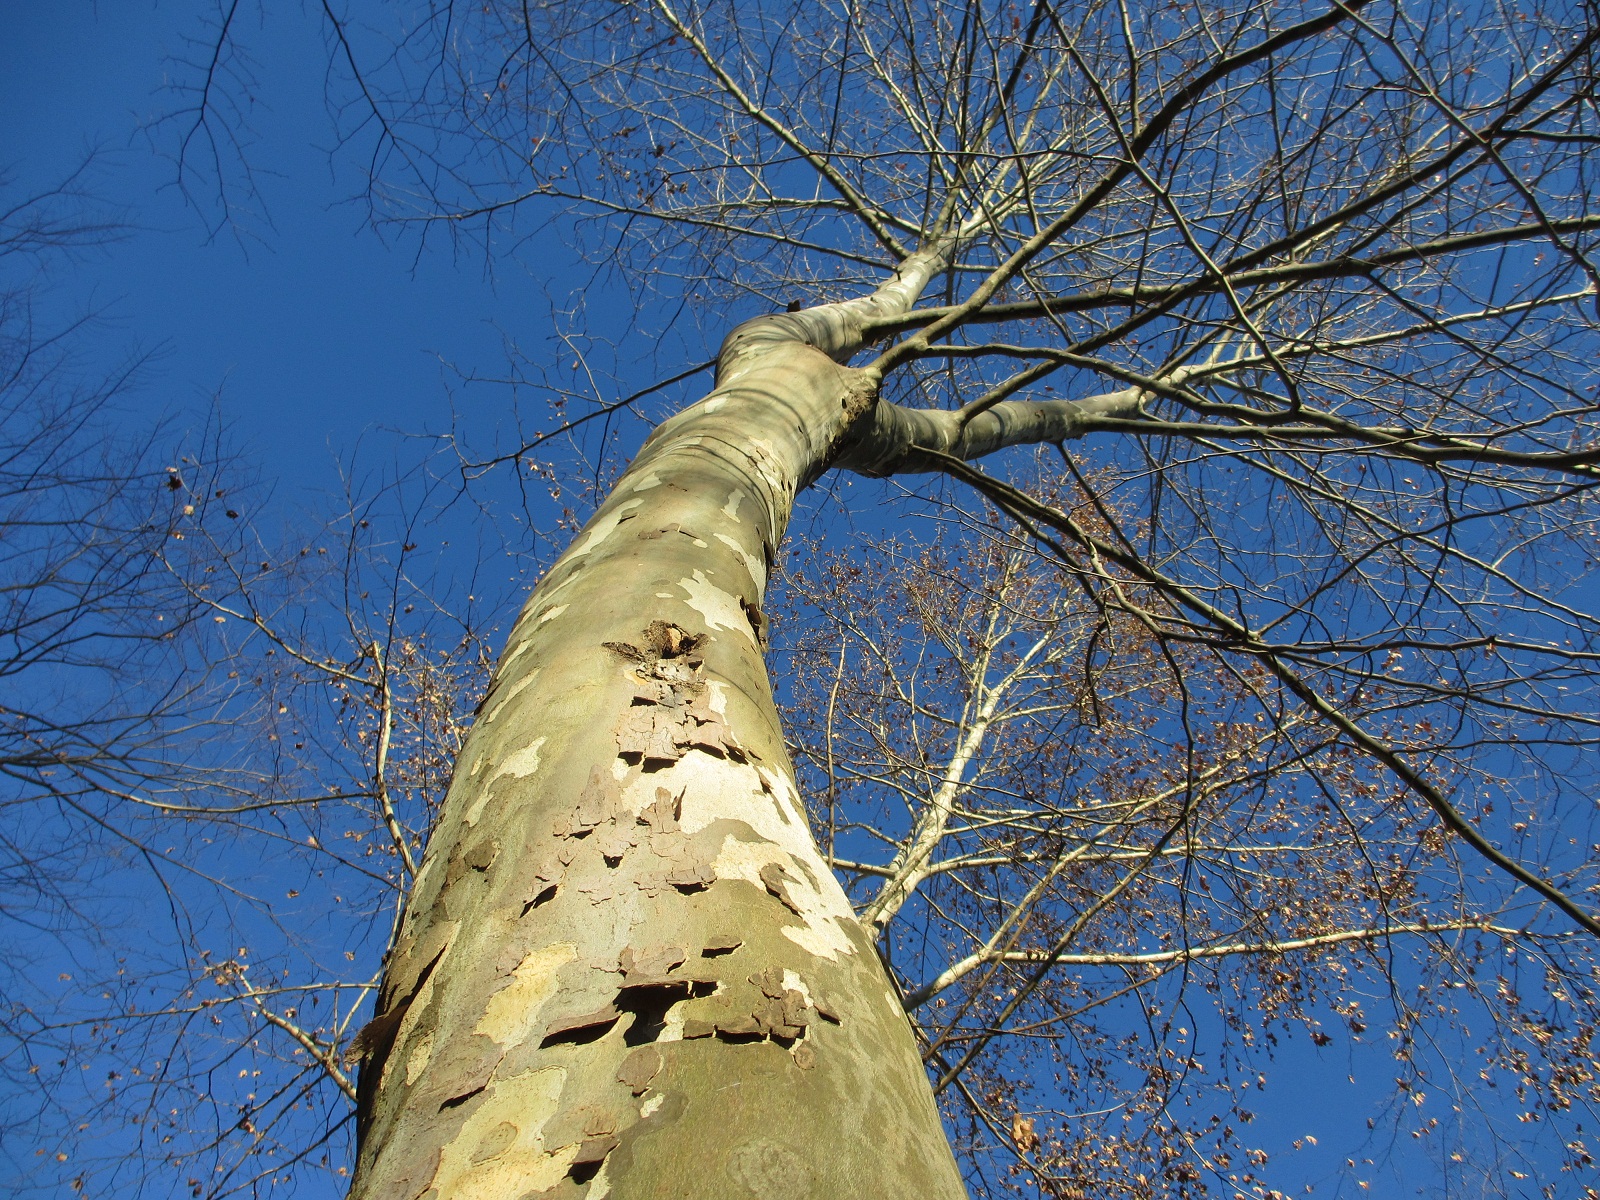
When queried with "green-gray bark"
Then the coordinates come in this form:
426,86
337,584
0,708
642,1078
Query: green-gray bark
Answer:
625,970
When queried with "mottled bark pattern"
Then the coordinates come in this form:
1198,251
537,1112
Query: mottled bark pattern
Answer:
625,969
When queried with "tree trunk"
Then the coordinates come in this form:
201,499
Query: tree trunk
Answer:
625,970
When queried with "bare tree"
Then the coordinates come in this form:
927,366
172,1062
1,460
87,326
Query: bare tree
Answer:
202,723
1000,764
1302,297
108,713
76,555
199,1041
83,513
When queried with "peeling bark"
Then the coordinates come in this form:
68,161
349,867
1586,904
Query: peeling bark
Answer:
625,970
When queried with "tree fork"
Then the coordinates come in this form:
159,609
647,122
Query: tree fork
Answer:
625,970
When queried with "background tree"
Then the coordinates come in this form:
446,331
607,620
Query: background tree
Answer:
1303,299
216,966
85,610
997,763
71,595
206,719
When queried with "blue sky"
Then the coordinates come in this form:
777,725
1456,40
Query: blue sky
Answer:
311,332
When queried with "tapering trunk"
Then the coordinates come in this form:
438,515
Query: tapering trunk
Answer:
625,970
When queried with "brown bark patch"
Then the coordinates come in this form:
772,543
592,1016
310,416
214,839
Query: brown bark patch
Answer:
670,714
650,961
776,879
639,1069
581,1027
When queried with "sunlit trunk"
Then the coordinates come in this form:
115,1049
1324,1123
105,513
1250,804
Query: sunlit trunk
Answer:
625,969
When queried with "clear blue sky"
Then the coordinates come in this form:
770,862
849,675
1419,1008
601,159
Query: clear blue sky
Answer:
313,332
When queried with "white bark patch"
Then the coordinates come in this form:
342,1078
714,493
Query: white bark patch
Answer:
500,1149
825,941
650,1105
822,933
717,789
548,594
513,1012
786,803
521,645
713,404
731,508
551,613
672,1027
523,762
649,481
603,528
744,860
518,635
757,567
794,983
720,609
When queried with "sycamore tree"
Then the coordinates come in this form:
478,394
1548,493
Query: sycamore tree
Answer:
1289,649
